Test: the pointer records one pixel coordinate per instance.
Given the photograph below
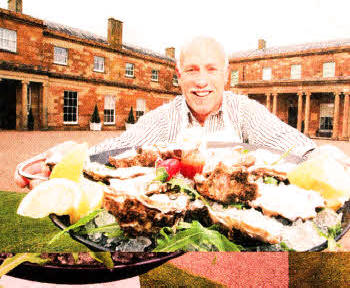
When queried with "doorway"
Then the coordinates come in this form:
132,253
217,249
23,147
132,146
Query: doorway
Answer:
8,104
293,116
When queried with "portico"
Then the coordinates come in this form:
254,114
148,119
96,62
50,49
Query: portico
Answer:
319,111
20,92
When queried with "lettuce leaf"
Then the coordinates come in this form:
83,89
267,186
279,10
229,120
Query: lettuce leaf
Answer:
82,222
18,259
193,236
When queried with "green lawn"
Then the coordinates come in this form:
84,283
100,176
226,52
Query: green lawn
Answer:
24,234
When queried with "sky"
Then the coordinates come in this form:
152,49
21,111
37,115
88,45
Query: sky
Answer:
158,24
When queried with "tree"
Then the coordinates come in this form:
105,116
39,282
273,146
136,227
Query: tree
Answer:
131,118
95,117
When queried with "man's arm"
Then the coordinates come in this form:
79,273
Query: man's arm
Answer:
260,127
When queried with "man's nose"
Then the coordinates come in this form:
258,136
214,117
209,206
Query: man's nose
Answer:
201,80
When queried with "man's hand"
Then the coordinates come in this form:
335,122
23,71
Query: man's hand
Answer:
39,167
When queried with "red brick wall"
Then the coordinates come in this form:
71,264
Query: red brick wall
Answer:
311,66
29,43
89,95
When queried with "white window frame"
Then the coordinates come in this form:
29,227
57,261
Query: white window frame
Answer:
234,78
8,40
99,64
109,104
295,71
267,73
68,106
59,57
155,75
140,107
175,80
129,70
328,69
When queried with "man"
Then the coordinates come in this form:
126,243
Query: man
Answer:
202,72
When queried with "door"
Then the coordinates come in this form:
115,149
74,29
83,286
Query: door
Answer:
7,104
293,116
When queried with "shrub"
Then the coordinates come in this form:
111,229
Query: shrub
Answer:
95,118
131,118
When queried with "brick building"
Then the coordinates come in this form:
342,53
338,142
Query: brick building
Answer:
61,73
305,85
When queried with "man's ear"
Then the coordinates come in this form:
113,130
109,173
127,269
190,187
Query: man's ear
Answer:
177,71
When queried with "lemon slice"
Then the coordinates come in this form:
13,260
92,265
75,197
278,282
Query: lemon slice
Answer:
59,196
92,197
324,175
71,165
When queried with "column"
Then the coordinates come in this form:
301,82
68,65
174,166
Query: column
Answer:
268,101
300,110
274,107
336,116
307,113
24,105
345,134
44,98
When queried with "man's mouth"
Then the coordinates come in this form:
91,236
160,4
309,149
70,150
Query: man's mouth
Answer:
202,93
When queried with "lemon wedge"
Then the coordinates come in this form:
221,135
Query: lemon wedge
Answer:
62,197
59,196
324,175
92,197
71,165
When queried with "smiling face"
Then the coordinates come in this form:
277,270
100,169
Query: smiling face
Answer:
201,74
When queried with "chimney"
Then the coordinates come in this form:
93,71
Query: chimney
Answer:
15,5
115,32
170,52
261,44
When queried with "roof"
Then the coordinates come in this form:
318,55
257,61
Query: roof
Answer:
258,53
100,39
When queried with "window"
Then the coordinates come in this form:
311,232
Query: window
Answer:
8,40
329,69
175,81
99,64
154,76
326,116
295,71
60,55
140,108
266,73
234,78
129,70
109,110
70,107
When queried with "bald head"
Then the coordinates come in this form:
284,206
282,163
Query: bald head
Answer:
205,45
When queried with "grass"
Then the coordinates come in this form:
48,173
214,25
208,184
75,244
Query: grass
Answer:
24,234
319,269
168,275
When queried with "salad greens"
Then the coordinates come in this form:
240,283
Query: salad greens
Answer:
193,236
330,235
19,258
83,221
184,187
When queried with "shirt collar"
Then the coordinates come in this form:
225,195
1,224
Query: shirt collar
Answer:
191,117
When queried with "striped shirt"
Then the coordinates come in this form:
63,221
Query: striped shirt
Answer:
250,122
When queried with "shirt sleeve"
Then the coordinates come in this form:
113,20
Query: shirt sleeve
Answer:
150,128
262,128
